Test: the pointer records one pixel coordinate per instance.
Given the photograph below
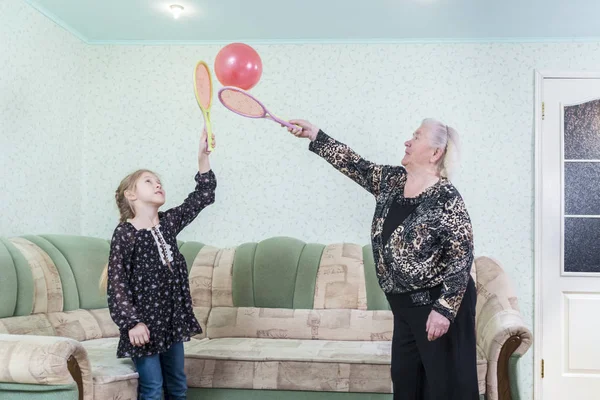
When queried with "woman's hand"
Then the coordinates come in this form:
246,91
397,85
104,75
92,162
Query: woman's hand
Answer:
437,325
303,129
139,335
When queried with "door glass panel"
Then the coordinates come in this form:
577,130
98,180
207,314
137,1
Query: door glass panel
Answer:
582,129
581,172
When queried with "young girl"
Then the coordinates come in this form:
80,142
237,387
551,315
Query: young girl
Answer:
147,278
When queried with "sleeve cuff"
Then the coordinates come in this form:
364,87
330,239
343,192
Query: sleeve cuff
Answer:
449,314
321,138
207,179
130,325
205,174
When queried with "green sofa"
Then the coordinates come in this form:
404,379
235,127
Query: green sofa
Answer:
281,319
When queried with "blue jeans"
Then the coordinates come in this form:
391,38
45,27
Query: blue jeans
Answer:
164,370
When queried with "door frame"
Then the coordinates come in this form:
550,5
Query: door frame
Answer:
540,75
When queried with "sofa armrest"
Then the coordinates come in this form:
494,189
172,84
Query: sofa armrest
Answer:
501,330
45,360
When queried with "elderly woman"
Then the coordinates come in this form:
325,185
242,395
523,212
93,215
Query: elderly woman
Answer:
423,248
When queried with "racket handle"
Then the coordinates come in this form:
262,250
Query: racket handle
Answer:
282,122
209,133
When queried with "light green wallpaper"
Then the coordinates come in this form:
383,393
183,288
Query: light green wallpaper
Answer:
108,110
42,108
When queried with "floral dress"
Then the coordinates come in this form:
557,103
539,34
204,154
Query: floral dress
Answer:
148,276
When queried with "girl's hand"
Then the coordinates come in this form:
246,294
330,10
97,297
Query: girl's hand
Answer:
139,335
203,151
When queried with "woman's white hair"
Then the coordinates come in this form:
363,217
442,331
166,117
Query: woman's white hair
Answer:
446,138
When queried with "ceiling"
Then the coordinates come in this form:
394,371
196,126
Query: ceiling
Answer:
327,21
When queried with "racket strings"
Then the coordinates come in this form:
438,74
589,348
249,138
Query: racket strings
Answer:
242,104
203,85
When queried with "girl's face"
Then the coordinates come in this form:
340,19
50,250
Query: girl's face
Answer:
149,190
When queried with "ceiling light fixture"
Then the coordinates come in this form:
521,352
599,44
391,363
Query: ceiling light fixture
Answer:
176,9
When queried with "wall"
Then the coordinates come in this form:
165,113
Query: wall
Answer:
41,123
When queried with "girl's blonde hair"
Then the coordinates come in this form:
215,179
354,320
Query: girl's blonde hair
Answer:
126,210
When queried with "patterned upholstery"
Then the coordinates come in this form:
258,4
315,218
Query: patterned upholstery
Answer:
341,279
113,378
46,361
47,293
281,364
284,323
498,318
37,324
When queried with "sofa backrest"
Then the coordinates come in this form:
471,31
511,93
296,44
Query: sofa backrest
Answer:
49,285
285,288
44,274
279,287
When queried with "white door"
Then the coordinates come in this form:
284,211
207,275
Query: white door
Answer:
568,239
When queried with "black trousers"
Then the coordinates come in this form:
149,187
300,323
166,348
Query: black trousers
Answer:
444,369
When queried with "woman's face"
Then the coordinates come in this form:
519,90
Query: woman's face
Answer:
418,152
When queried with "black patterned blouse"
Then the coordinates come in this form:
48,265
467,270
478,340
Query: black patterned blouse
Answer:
432,246
142,287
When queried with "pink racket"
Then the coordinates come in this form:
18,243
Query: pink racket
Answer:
243,103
